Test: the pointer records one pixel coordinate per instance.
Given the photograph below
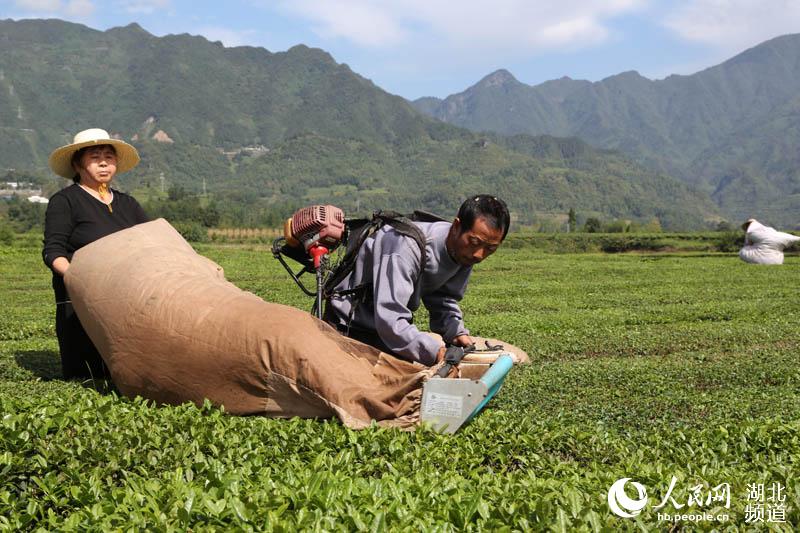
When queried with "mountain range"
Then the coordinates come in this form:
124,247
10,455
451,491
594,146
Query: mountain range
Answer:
731,130
266,132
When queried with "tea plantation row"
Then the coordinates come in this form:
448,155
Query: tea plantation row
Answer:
646,367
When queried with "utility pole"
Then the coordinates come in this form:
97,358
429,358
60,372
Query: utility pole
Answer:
162,181
204,186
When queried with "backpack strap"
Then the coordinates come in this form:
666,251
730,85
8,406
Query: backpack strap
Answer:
404,226
424,216
356,237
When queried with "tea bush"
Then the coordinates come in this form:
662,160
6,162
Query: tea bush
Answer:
581,242
645,366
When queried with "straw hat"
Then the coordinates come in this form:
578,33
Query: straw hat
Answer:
61,159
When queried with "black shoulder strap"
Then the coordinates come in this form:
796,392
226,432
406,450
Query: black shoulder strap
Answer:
424,216
404,226
359,234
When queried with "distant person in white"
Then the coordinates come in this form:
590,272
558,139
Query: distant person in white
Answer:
764,245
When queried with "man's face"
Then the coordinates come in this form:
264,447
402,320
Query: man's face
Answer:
473,245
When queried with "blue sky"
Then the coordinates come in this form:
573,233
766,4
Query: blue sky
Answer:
435,48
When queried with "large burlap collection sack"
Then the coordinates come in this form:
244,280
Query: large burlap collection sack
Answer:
172,329
765,245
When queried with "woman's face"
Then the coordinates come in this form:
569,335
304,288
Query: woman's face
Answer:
97,165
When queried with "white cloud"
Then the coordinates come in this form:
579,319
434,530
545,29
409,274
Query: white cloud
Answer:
79,8
39,5
145,7
734,24
532,26
84,9
360,21
69,9
578,29
227,36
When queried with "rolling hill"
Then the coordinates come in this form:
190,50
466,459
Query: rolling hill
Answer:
264,132
730,130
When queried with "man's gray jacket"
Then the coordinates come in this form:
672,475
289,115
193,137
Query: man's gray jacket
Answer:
392,262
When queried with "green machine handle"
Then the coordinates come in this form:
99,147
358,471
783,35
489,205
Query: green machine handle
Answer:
493,379
497,372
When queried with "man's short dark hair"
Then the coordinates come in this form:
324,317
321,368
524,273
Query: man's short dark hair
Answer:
491,208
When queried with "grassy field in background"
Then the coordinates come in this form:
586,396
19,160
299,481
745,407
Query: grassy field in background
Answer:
645,366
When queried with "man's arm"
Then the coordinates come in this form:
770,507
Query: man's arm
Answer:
446,317
394,280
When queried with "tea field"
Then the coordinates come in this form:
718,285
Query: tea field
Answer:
678,371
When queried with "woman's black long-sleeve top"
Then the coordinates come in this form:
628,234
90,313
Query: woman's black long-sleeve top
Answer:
75,218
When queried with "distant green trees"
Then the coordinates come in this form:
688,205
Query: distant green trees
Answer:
572,220
592,225
595,225
236,208
6,233
22,215
191,231
181,206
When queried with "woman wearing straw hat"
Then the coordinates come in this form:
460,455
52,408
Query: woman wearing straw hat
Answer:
80,214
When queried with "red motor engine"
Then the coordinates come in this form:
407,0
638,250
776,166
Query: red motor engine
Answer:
319,229
316,225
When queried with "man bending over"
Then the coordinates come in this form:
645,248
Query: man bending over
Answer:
390,264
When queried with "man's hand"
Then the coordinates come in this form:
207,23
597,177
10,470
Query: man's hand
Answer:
464,341
440,354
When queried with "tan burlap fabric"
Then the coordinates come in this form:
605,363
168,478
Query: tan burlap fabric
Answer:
172,329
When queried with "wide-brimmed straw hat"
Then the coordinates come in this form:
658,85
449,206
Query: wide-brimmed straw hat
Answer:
61,159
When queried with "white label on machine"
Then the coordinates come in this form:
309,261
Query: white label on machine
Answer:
444,405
